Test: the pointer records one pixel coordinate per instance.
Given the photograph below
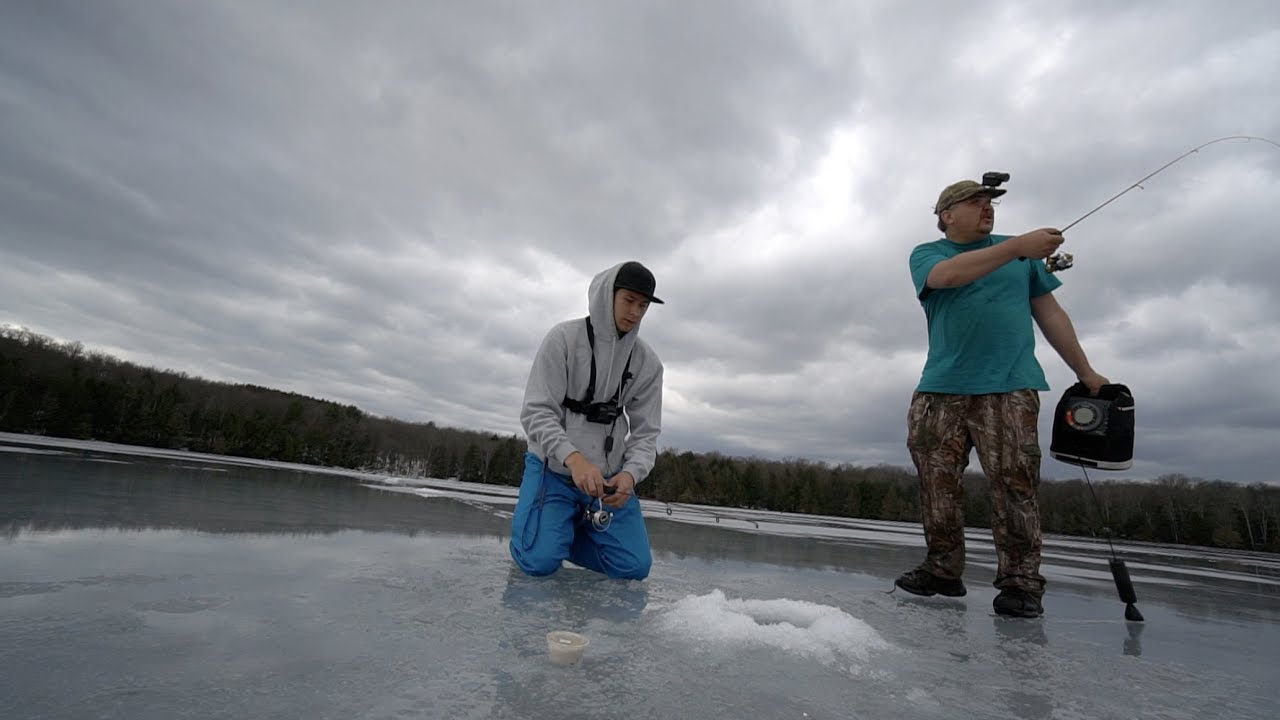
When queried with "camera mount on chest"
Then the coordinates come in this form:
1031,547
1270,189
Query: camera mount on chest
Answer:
604,413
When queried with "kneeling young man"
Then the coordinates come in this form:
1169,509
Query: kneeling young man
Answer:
577,497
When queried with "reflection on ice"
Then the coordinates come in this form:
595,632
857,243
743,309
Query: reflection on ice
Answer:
821,632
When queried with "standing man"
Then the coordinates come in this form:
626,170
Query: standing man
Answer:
980,388
592,413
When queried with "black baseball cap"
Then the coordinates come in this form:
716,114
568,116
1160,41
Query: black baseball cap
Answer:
636,277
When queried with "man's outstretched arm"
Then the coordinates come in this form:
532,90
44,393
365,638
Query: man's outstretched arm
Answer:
969,266
1061,334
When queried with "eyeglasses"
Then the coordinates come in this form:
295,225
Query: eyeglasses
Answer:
980,201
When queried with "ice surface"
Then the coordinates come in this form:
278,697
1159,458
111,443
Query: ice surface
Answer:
159,589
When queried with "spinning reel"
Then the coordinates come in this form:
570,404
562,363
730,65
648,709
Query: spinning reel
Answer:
1059,261
599,518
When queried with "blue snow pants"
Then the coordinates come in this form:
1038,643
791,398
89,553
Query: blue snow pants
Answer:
549,526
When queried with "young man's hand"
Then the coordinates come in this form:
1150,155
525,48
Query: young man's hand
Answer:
586,475
624,486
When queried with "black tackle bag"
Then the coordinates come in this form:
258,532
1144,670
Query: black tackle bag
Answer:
1095,432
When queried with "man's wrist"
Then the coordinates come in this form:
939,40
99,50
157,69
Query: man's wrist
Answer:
1012,247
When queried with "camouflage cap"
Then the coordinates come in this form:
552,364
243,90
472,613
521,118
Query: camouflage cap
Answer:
961,191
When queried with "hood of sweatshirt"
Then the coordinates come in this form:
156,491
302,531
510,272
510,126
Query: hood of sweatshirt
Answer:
611,351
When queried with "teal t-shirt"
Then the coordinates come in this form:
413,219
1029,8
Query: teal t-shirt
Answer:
981,338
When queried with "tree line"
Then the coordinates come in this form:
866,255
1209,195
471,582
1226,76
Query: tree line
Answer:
59,389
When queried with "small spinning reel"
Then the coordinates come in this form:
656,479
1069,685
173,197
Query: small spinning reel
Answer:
1059,261
599,518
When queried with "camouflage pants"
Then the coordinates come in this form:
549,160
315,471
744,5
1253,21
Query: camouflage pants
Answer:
941,431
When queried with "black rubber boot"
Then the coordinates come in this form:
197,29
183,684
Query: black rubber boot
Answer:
923,582
1012,602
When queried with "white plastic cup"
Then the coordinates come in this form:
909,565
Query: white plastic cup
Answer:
565,648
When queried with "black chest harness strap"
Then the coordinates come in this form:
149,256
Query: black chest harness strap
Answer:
603,412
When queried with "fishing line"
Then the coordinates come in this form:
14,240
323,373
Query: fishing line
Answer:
1106,517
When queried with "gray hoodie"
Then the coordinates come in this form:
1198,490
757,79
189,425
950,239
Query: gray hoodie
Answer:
563,366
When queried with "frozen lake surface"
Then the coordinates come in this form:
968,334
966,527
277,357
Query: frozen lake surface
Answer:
157,584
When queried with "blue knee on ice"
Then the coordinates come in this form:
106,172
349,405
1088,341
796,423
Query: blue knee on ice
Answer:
534,564
634,568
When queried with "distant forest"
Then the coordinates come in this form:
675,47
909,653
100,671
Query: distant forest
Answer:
58,389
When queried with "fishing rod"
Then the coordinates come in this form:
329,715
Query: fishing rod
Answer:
710,513
600,518
1063,261
1162,168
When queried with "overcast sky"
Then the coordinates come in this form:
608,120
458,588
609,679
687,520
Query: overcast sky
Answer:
389,204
